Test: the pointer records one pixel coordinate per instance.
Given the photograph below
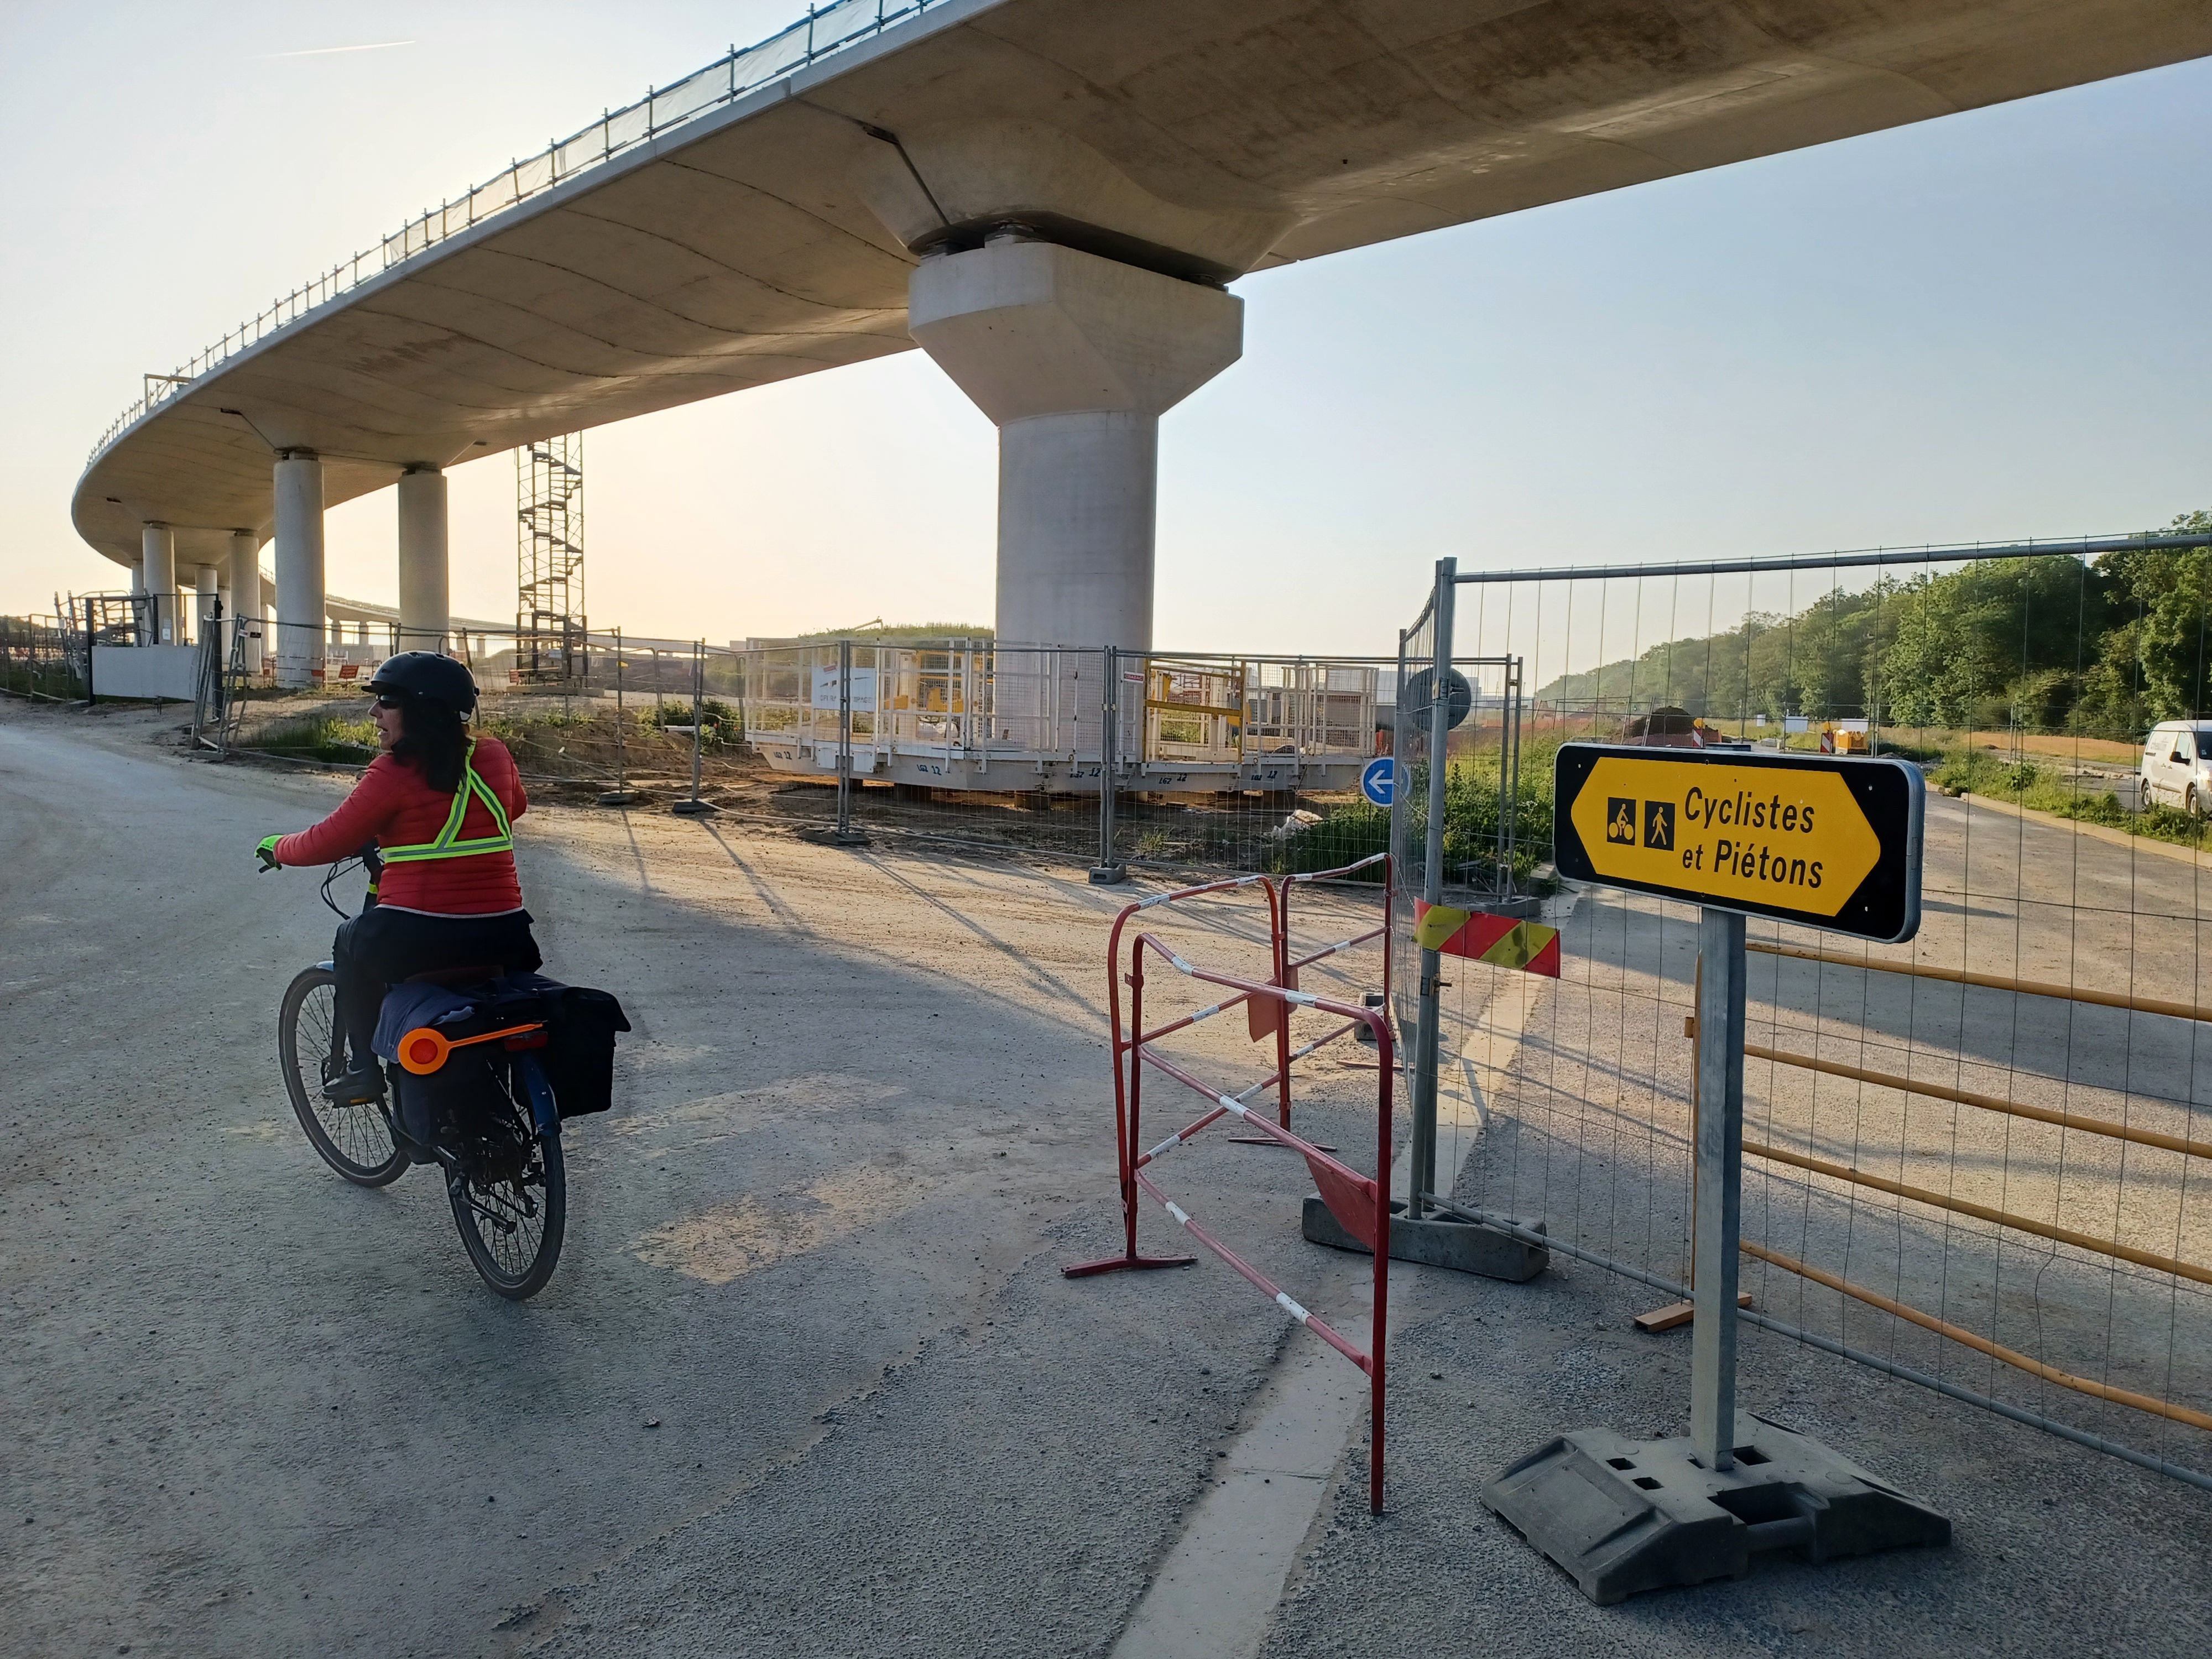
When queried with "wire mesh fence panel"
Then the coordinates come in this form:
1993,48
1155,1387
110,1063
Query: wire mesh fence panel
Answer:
1216,760
1247,762
1979,1158
42,658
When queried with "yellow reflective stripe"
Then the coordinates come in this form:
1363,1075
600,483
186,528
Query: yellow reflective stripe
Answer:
447,844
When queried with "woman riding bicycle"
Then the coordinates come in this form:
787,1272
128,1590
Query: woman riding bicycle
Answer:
439,804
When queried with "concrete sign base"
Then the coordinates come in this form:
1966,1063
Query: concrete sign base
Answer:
1434,1242
1624,1515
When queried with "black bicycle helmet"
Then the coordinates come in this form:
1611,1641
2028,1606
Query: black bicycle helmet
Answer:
429,674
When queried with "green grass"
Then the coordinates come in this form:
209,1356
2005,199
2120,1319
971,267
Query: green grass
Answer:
1471,804
719,722
320,737
2024,783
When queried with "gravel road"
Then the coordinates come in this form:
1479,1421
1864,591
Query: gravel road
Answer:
807,1381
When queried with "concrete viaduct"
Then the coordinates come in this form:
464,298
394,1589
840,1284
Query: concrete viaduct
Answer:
1048,196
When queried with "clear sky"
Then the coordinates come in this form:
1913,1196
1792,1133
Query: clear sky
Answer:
1992,325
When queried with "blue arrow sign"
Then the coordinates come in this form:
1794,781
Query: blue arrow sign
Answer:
1378,780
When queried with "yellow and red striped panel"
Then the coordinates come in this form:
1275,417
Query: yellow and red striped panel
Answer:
1501,941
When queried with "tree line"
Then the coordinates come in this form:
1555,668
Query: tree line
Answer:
2102,649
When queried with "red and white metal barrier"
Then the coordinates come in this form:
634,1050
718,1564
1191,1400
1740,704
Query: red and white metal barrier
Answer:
1287,963
1360,1203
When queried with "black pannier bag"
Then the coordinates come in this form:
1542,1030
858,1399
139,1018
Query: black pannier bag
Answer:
579,1055
578,1058
432,1105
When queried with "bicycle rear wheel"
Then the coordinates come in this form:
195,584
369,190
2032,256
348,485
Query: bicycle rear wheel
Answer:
354,1140
509,1190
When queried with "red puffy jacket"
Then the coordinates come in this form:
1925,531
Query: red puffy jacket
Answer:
393,805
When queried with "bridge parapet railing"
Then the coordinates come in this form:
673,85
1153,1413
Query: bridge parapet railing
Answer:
824,31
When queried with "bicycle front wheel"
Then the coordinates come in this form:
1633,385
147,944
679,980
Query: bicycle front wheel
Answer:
354,1140
509,1190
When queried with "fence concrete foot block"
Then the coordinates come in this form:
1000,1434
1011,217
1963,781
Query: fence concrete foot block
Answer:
1622,1517
695,809
1467,1247
1108,875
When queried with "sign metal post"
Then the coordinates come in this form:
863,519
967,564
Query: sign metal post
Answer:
1825,841
697,805
622,794
845,835
1422,1154
1108,871
1719,1183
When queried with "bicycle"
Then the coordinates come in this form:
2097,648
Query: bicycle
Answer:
499,1151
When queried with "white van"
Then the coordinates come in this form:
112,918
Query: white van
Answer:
2176,766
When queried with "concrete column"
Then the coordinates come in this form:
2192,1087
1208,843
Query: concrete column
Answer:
157,566
242,601
209,587
1074,358
299,643
424,613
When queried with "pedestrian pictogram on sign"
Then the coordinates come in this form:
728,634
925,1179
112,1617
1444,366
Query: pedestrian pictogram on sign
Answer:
1829,841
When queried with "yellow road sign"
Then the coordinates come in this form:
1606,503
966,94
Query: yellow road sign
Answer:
1823,840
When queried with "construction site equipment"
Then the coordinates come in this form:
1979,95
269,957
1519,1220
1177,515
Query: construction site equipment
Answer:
986,716
550,624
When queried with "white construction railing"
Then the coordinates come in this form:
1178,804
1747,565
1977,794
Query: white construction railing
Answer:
978,702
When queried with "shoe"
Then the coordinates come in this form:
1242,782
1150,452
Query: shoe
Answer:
355,1088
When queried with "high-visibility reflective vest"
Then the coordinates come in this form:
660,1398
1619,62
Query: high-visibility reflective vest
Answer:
449,844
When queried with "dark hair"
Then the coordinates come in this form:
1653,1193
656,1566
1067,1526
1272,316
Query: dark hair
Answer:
432,740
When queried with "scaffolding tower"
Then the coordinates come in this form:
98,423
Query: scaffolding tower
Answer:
549,627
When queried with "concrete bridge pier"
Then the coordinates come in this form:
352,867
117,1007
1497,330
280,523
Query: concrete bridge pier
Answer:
241,601
157,578
300,596
425,614
1074,358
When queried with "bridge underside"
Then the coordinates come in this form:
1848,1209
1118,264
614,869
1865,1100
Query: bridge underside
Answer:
1194,140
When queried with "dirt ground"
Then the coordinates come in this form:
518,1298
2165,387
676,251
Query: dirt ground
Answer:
808,1381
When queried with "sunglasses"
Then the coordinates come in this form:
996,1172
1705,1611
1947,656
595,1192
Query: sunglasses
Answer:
391,699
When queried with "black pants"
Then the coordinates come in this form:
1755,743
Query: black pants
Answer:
381,947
